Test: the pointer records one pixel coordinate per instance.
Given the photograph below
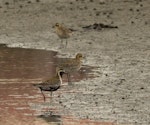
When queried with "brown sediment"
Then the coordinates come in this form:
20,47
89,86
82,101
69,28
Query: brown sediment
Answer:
75,121
20,68
26,63
69,120
21,64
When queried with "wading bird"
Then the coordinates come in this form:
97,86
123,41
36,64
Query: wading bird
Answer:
51,84
72,65
63,32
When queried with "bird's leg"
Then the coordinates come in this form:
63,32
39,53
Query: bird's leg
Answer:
86,76
61,45
43,95
61,41
84,73
68,77
66,43
51,99
50,103
51,94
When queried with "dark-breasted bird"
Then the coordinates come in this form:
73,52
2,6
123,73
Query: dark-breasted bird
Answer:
51,84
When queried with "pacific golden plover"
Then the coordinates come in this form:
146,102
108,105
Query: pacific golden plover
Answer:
51,84
63,32
72,65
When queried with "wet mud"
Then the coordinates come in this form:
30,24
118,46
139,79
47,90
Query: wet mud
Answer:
120,93
20,69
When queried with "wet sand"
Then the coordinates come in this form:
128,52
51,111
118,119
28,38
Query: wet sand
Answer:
20,69
119,93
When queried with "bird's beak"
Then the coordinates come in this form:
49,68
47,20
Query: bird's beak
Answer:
65,72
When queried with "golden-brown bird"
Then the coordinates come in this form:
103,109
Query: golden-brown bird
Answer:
51,84
63,32
72,65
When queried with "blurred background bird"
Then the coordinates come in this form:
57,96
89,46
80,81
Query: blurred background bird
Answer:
63,32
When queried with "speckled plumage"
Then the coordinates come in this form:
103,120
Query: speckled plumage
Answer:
62,32
72,65
51,84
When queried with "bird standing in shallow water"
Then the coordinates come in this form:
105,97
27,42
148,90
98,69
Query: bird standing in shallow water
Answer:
63,32
72,65
51,84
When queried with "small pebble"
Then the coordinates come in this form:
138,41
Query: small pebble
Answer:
6,3
141,5
97,14
20,6
146,23
29,1
123,98
131,9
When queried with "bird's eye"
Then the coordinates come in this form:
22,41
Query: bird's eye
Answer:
56,24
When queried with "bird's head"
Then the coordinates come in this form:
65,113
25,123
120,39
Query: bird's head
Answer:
79,56
57,25
60,71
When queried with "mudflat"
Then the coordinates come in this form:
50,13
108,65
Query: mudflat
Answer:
120,92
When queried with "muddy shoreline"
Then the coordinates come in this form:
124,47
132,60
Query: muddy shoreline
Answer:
121,92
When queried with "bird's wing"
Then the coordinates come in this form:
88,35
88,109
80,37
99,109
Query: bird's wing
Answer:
64,29
49,82
52,81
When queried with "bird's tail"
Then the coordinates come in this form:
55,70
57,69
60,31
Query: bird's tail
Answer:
34,84
72,30
37,85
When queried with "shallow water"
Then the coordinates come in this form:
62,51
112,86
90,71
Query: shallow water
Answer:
20,100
